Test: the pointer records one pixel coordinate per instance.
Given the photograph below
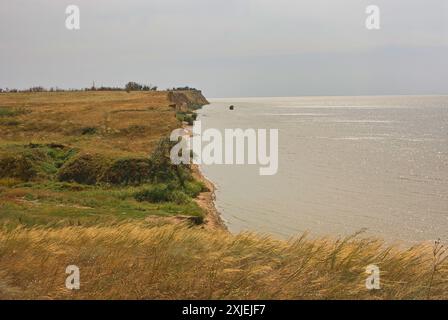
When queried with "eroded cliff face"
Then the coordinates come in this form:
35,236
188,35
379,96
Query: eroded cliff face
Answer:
187,100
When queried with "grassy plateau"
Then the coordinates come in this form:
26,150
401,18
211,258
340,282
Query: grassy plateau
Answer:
86,180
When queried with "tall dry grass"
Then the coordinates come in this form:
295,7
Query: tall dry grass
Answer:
122,123
134,261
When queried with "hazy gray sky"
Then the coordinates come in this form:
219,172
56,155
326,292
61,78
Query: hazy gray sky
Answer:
229,47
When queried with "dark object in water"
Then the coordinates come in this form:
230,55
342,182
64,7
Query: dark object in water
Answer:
231,107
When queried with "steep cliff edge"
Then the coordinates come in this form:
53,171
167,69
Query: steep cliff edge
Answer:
187,99
186,102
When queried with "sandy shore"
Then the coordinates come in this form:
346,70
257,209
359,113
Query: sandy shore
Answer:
206,200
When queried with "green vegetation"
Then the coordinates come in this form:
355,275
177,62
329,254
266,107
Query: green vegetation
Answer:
84,168
57,204
128,171
82,172
170,192
188,117
86,179
134,86
32,161
11,112
53,185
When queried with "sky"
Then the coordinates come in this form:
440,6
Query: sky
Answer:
229,48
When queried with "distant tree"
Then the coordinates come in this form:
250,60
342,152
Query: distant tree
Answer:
109,89
130,86
186,88
37,89
133,86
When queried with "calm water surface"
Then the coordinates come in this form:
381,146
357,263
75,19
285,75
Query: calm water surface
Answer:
345,164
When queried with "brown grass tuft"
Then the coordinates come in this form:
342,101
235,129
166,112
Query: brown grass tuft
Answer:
136,261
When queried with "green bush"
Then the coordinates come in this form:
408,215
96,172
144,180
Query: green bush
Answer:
60,155
155,193
194,188
188,117
179,197
162,192
94,168
28,162
162,169
128,171
17,166
180,116
84,169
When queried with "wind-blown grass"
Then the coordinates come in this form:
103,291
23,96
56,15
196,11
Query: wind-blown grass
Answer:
73,167
137,261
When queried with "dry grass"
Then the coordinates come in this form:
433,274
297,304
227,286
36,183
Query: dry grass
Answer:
124,123
46,224
134,261
53,144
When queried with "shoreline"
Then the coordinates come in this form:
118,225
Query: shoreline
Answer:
206,200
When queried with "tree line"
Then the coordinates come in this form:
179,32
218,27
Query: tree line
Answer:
130,86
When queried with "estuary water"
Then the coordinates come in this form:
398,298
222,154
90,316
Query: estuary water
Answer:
346,164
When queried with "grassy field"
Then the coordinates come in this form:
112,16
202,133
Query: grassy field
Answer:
82,158
115,123
140,261
85,180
